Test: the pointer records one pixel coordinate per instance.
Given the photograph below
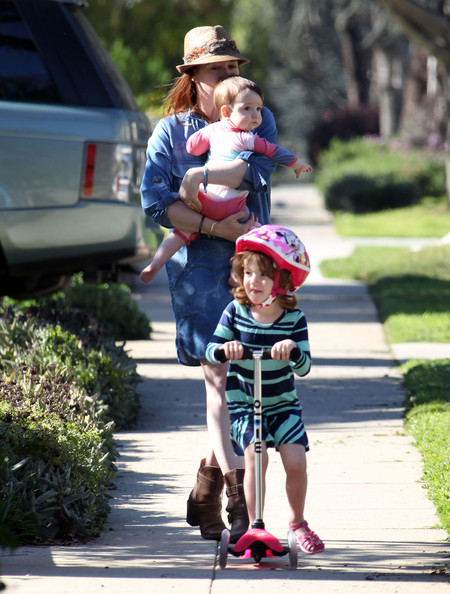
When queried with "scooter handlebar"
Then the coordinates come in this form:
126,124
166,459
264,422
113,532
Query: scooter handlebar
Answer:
248,354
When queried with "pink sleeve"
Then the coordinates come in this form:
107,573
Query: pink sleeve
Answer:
198,143
264,147
277,153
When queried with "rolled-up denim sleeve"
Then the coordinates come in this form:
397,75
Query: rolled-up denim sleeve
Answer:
157,187
260,168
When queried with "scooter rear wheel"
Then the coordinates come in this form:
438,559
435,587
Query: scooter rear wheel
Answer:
293,552
223,548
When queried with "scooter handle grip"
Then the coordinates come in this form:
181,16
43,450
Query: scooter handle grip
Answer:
248,354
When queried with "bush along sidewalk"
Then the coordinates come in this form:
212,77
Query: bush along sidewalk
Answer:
66,385
412,291
364,175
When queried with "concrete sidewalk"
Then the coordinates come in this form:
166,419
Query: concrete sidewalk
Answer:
365,498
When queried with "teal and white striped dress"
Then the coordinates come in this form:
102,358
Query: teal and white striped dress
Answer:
282,412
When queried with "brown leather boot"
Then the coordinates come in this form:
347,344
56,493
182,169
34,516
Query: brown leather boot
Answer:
204,506
236,507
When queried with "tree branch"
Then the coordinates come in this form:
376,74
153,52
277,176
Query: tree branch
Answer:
428,28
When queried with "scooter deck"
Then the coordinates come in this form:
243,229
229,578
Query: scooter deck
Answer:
260,543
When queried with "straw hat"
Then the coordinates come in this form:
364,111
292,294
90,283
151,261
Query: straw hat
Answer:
204,45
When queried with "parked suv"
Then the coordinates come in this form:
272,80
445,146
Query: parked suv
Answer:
72,151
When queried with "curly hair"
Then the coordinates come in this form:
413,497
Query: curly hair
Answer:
267,265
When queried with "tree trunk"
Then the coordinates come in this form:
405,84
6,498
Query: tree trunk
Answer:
348,60
356,59
390,63
385,94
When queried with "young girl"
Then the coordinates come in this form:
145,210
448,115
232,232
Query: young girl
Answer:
239,103
271,263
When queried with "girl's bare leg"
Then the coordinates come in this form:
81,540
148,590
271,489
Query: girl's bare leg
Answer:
293,456
294,461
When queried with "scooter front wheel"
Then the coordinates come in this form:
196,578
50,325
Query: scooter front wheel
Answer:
293,552
223,548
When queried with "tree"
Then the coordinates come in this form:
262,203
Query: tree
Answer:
306,75
145,38
428,24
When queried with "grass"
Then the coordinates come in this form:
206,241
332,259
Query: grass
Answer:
428,420
412,294
430,218
411,289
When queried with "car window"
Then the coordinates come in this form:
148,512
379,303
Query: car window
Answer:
49,53
23,75
124,96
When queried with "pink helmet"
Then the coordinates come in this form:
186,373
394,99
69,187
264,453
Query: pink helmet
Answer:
283,246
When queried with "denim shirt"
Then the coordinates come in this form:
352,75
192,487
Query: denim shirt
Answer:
168,161
199,272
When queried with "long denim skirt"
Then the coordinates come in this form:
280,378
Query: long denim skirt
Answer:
198,279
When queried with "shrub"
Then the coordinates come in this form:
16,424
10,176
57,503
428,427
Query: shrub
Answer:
112,306
102,368
64,385
361,176
345,123
55,474
56,445
359,194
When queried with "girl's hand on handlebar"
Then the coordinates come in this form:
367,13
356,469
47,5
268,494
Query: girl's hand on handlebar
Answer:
281,351
233,350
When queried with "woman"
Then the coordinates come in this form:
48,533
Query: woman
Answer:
198,273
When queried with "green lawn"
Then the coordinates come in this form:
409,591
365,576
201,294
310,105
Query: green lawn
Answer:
412,292
428,420
411,289
430,218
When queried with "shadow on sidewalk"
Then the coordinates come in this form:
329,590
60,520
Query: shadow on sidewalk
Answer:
350,561
174,405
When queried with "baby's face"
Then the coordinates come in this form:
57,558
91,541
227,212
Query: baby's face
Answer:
246,110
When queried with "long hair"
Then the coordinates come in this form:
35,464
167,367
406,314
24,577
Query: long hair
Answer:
182,96
268,266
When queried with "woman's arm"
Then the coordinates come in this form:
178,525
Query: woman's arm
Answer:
157,188
183,217
230,173
252,172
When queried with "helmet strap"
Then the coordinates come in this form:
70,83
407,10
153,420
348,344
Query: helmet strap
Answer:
276,290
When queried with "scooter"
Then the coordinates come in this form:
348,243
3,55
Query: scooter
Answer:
257,542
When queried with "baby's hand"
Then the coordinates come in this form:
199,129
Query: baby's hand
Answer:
300,168
281,351
233,349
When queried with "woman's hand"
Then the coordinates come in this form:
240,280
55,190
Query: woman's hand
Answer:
233,349
188,191
281,351
231,229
